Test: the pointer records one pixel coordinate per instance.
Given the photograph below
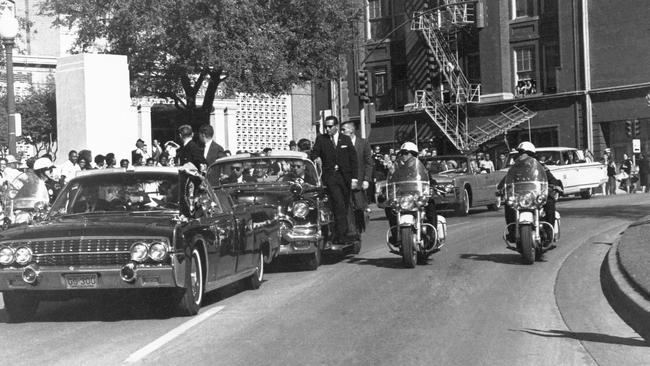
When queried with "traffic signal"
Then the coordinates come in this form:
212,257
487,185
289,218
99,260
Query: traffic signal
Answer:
637,127
363,85
628,128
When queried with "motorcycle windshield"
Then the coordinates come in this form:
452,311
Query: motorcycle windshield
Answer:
27,190
411,178
526,175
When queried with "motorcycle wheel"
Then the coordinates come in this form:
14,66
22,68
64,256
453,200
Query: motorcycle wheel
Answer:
409,253
527,246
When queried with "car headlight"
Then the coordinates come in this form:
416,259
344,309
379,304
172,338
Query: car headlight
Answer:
158,251
300,209
6,256
139,252
526,200
23,255
407,202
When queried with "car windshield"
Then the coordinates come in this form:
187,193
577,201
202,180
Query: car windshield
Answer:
263,170
129,191
552,157
444,164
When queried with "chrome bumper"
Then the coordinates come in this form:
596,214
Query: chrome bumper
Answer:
54,278
293,243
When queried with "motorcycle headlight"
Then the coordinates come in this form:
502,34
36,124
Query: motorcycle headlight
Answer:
449,188
139,252
407,202
541,199
526,200
300,209
6,256
23,255
158,251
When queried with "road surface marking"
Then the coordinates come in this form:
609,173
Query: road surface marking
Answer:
166,338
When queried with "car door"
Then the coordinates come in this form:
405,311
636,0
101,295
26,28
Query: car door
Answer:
224,251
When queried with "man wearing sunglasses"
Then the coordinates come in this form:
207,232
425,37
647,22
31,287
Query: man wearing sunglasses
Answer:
237,175
338,159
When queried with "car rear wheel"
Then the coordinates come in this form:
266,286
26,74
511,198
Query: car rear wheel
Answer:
255,280
192,295
20,306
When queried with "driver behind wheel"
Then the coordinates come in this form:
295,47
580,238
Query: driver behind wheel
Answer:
408,156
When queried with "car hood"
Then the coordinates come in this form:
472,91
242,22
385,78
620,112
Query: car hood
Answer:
123,224
445,178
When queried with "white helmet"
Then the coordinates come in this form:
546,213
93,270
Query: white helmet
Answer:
526,146
43,163
410,147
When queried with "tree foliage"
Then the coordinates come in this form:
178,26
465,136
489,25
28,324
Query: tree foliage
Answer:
176,46
38,118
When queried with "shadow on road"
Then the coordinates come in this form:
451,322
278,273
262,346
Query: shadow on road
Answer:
585,336
503,258
119,307
393,262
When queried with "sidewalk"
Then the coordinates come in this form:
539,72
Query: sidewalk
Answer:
625,276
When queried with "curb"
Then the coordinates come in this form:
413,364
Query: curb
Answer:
631,305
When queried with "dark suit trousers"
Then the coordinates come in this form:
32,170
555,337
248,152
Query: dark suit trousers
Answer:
338,189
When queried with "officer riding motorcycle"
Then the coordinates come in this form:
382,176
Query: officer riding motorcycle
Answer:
529,191
414,224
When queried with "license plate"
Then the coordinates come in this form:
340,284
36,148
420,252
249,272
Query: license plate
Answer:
86,280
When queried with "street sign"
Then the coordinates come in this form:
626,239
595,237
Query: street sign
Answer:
636,145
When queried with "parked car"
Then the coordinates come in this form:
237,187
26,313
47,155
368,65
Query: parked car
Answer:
288,184
119,231
461,185
579,177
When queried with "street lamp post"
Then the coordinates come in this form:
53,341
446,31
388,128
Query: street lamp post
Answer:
8,32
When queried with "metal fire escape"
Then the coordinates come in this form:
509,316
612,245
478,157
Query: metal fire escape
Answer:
447,104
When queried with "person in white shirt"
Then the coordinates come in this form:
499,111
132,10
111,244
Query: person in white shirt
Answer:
70,167
486,164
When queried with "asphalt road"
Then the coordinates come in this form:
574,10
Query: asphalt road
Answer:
474,303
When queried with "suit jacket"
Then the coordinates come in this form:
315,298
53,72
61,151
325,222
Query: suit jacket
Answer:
214,152
364,157
343,155
191,153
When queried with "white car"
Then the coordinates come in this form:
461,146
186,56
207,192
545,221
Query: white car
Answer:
578,175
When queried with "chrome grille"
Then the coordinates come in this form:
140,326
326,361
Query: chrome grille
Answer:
82,251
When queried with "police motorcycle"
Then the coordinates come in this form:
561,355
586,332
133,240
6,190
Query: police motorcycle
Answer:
407,194
525,191
26,199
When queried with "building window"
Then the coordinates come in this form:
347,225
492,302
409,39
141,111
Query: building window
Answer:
374,9
525,71
379,82
524,8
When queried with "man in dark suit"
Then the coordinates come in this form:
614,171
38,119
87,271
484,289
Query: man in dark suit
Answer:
238,175
139,153
211,150
190,151
338,159
365,163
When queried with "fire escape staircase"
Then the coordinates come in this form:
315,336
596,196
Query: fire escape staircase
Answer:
439,32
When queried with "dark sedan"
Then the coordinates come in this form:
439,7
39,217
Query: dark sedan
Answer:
115,230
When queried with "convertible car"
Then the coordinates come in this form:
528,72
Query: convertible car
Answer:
116,231
288,184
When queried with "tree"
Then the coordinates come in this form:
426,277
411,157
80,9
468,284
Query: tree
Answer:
177,46
38,116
